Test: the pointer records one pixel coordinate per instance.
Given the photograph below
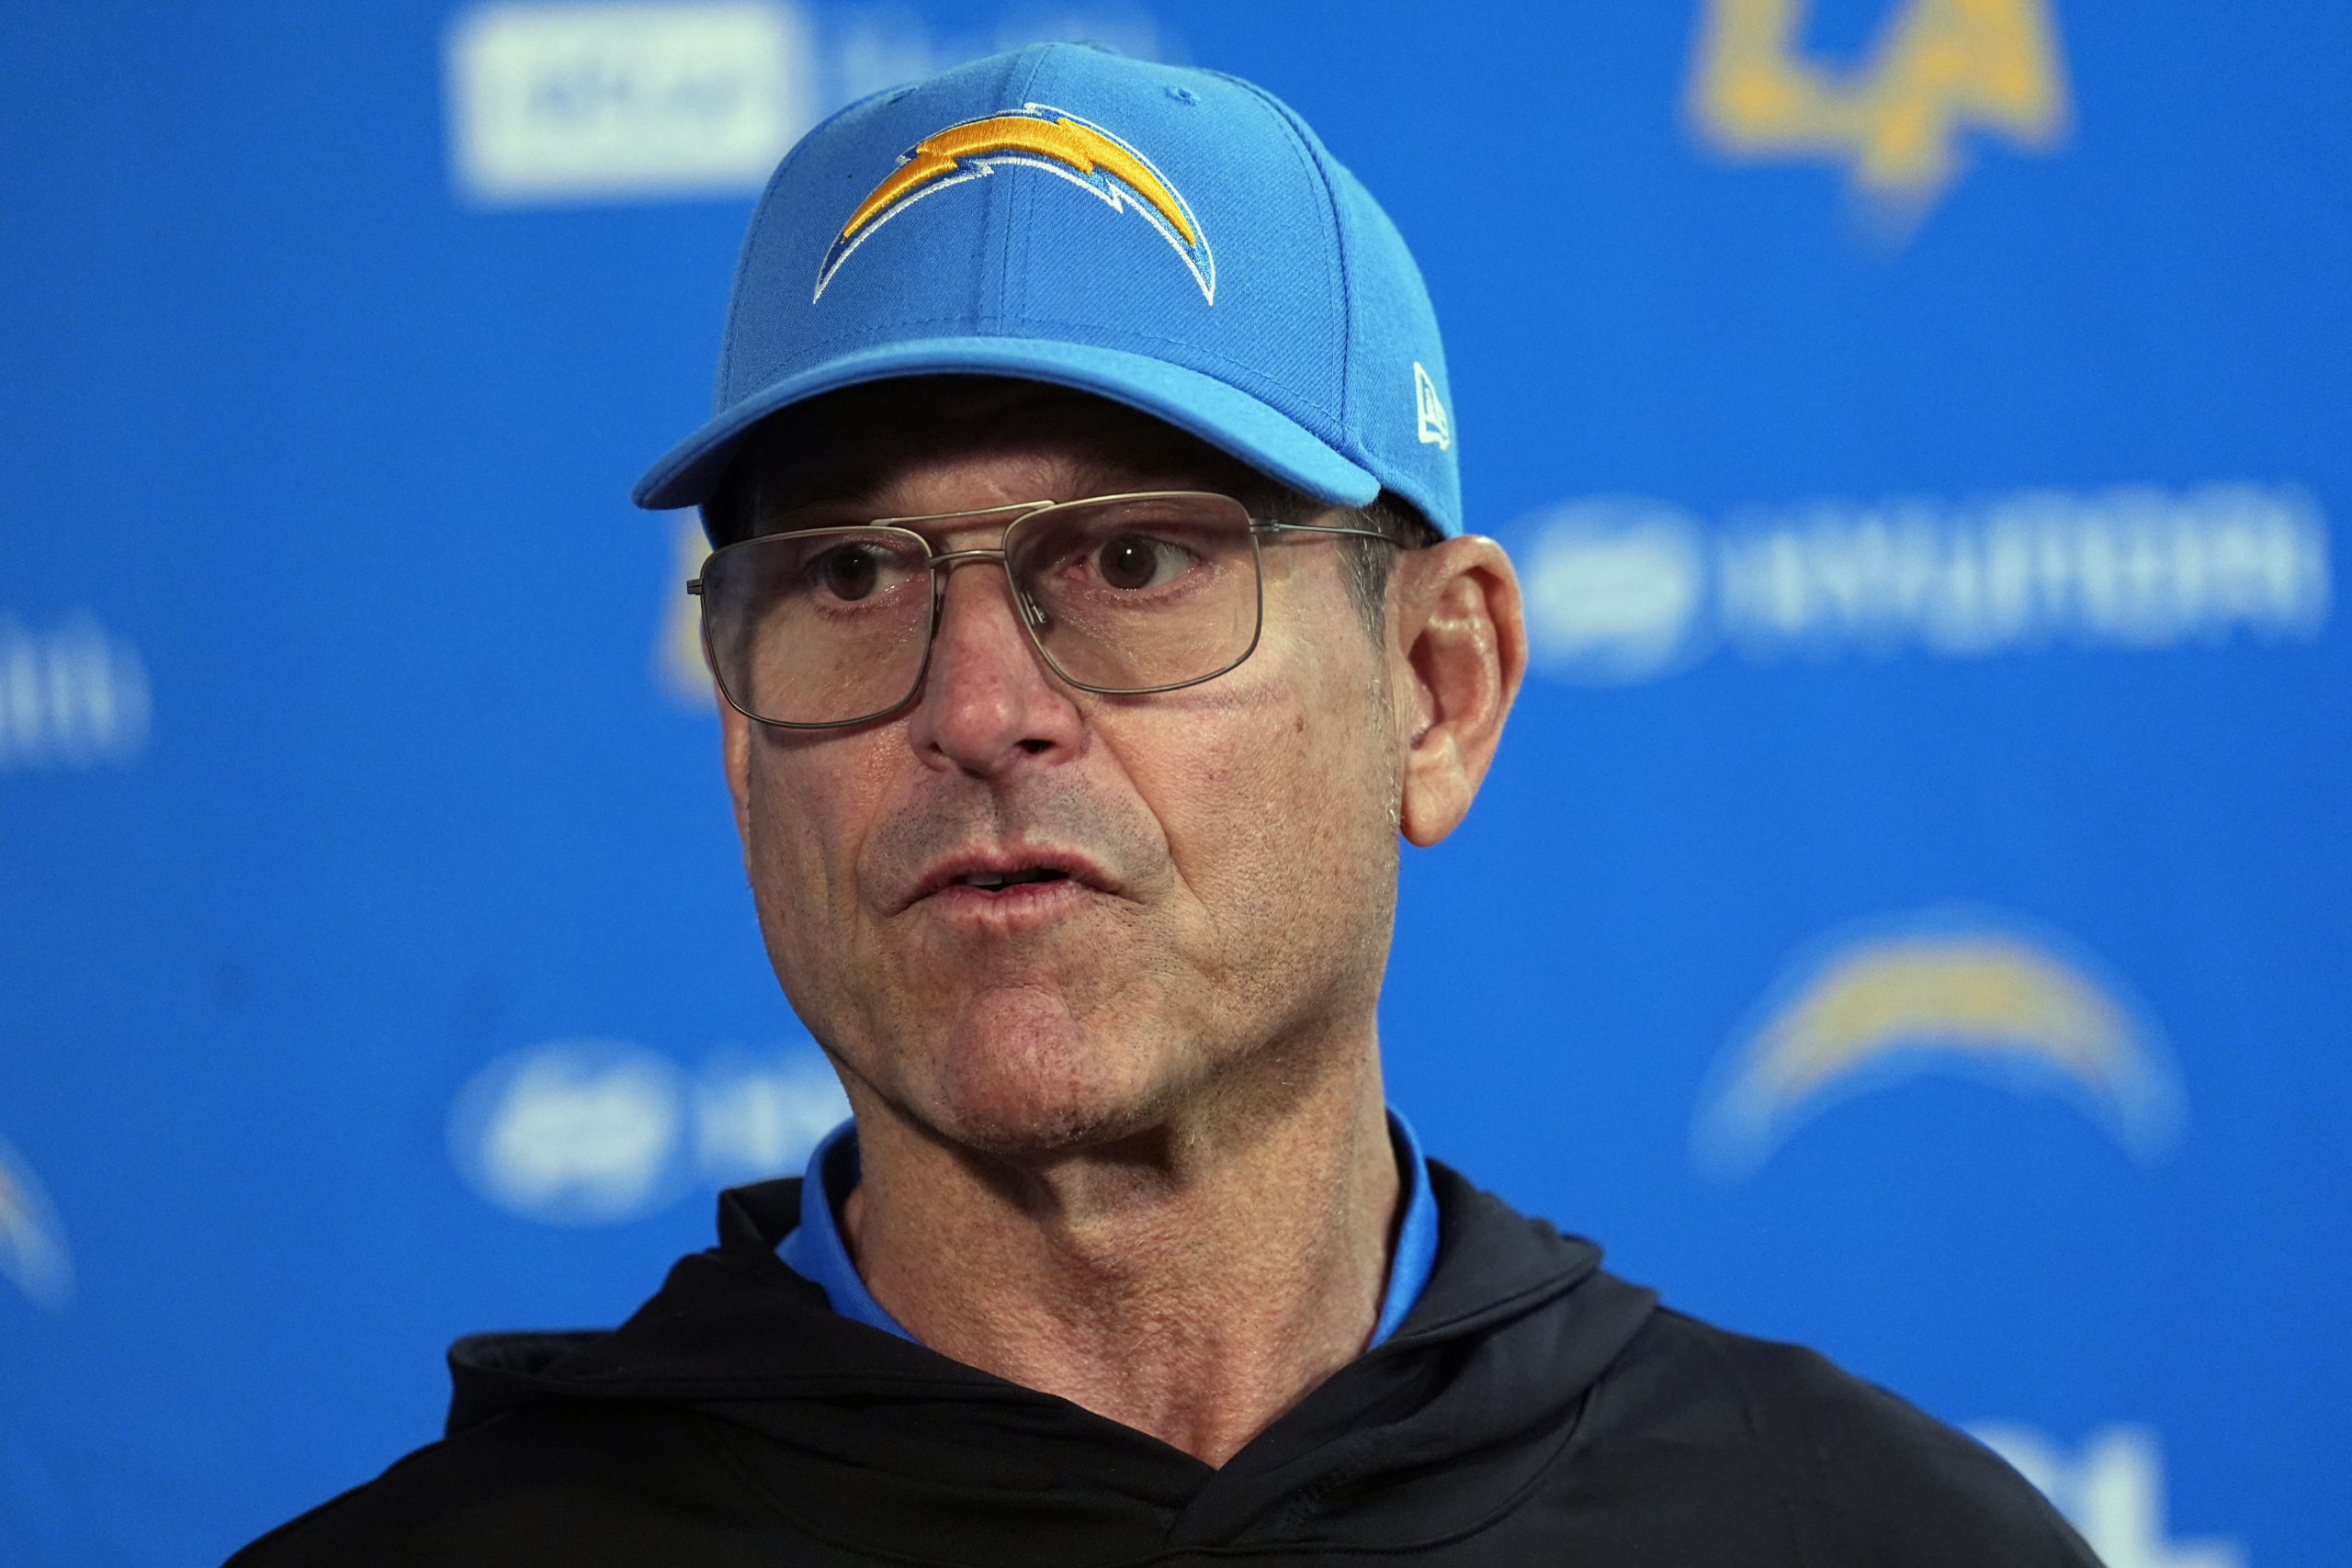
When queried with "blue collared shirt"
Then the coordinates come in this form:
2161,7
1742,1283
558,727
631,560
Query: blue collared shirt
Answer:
814,1250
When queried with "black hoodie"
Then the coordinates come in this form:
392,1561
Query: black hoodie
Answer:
1531,1410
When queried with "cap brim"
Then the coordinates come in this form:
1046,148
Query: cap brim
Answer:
1226,418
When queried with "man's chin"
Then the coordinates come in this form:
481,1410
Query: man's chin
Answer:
1020,1075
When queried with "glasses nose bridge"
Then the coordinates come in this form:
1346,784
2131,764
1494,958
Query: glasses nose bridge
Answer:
947,561
944,564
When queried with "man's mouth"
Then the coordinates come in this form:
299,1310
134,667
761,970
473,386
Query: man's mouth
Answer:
990,881
1009,876
1023,874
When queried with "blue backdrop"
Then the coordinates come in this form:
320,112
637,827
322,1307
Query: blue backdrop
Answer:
1907,916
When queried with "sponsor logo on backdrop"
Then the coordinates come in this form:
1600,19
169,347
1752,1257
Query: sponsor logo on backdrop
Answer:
73,696
2113,1490
597,1131
1956,991
1936,69
1629,589
572,103
32,1240
558,104
1039,137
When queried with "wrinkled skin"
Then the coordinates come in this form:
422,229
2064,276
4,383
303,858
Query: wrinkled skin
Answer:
1144,1096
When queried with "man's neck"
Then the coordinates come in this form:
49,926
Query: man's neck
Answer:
1193,1284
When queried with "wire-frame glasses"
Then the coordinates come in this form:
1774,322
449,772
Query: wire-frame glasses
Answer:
1122,594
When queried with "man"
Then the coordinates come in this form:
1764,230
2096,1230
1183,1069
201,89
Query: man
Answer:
1094,616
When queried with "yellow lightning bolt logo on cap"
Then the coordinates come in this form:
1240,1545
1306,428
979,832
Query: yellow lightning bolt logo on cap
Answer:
1038,136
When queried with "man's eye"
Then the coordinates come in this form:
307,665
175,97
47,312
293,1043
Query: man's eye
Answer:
1133,561
849,572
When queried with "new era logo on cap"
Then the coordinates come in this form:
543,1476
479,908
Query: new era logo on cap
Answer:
1429,411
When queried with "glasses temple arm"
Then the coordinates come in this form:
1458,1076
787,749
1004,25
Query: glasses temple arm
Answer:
1268,525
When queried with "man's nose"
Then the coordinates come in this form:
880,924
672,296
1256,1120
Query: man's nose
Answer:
987,700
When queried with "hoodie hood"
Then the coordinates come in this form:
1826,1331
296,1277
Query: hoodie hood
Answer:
886,1447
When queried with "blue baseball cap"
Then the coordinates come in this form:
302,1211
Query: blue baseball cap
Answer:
1168,238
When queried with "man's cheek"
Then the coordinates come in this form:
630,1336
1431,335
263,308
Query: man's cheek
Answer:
798,884
1240,815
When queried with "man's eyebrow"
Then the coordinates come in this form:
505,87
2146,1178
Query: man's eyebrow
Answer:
852,501
823,500
814,512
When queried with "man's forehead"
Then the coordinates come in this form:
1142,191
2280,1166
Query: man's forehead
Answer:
883,445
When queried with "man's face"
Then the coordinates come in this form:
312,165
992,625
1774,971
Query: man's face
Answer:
1222,858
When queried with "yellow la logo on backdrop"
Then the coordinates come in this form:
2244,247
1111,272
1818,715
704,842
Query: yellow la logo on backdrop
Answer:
1937,66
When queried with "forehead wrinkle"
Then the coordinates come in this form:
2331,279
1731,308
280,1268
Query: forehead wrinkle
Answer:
852,450
976,480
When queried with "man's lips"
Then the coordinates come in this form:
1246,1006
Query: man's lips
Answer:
1010,874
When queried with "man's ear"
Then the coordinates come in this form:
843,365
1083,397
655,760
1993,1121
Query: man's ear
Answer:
735,753
1457,653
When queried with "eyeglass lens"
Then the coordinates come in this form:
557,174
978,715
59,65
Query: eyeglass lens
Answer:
1126,593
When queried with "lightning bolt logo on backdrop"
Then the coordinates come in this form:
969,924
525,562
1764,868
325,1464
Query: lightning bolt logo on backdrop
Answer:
1038,136
32,1242
1950,990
